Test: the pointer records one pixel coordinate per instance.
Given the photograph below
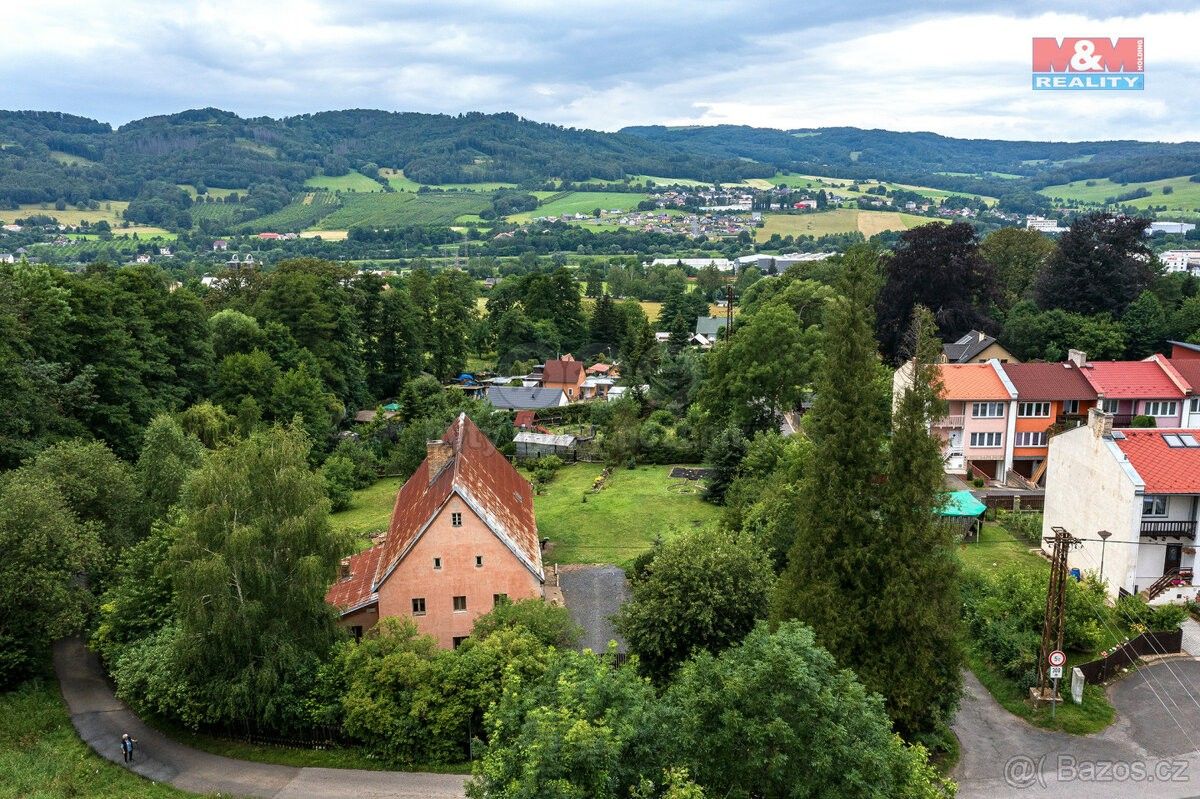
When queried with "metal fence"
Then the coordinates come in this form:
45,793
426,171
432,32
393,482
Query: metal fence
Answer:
1030,502
1164,643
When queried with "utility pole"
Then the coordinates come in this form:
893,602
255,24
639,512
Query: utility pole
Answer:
1056,602
728,311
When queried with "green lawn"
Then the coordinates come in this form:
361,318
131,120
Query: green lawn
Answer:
838,220
351,181
623,519
41,757
399,209
371,510
1184,197
583,202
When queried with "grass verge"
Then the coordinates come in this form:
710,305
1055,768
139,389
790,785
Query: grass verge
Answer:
1093,715
41,757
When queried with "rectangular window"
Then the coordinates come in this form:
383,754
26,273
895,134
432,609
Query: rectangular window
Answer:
479,561
460,604
499,599
1070,406
456,519
987,410
418,606
1161,408
458,640
1028,438
437,563
986,439
1035,409
1110,405
1154,505
1194,405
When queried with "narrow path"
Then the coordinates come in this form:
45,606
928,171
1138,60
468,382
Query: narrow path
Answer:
100,719
1149,752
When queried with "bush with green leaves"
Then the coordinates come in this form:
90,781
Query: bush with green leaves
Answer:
338,474
1004,614
550,624
1139,615
1026,524
545,468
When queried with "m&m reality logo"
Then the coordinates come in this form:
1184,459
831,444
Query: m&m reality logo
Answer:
1089,64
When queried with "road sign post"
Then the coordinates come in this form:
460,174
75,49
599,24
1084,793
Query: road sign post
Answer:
1056,660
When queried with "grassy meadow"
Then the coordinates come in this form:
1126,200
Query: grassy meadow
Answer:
41,757
1185,195
398,209
351,181
839,220
623,519
581,202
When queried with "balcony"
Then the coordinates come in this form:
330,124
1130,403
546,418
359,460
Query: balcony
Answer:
1184,529
1122,419
949,421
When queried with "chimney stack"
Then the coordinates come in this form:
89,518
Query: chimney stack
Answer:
1077,357
438,453
1101,423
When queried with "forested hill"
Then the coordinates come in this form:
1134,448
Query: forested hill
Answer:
48,156
45,156
979,165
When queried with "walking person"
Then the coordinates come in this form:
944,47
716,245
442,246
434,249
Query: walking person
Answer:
127,747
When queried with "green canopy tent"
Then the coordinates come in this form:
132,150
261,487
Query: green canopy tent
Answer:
964,509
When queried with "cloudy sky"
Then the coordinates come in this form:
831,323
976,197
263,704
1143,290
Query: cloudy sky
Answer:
960,69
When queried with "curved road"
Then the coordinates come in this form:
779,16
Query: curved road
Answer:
1152,750
100,718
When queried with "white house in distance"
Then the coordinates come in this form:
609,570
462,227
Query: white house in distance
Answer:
1142,486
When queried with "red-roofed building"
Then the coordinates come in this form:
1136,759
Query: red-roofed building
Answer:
567,374
1050,397
462,538
1138,388
1140,485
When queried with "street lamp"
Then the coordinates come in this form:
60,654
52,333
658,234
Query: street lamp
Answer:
1104,536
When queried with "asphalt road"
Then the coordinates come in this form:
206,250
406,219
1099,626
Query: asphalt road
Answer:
593,595
100,719
1150,751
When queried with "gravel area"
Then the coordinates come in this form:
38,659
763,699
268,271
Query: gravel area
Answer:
593,594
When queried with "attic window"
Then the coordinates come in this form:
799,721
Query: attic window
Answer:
456,519
1177,440
517,496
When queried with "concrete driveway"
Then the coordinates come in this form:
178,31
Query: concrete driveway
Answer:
100,719
593,595
1152,750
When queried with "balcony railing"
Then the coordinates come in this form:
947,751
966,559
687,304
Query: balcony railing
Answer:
1122,419
1184,529
950,421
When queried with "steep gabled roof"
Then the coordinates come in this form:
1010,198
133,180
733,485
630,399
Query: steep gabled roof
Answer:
967,347
1131,380
1164,468
1189,370
355,591
562,371
1049,381
485,480
972,381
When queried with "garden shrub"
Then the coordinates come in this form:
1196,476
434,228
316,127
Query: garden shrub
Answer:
1024,524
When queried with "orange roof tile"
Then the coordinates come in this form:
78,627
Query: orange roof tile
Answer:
1164,469
972,381
485,480
351,593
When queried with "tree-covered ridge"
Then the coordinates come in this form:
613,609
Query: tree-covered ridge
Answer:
210,147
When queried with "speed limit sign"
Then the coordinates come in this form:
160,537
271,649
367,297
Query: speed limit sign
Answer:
1057,658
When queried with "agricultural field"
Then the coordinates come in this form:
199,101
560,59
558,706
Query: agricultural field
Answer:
841,220
69,159
581,202
325,235
302,213
110,211
224,214
351,181
402,208
210,191
612,526
661,181
400,182
1184,196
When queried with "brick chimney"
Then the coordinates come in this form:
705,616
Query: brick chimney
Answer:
1077,357
1101,423
438,453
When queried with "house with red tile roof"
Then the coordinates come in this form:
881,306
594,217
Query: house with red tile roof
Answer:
979,424
1126,389
1141,486
1051,397
462,538
567,374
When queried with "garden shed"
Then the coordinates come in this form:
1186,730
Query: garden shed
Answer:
965,510
536,445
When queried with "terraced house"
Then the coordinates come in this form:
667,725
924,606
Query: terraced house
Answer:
462,539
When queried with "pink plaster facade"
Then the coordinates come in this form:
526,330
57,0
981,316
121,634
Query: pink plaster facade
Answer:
972,424
456,575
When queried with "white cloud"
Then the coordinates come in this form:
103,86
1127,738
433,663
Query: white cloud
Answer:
602,63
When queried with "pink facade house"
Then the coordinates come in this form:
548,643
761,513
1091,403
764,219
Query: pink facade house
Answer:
1126,389
462,539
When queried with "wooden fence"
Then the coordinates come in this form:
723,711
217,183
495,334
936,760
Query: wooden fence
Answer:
1030,502
1164,643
